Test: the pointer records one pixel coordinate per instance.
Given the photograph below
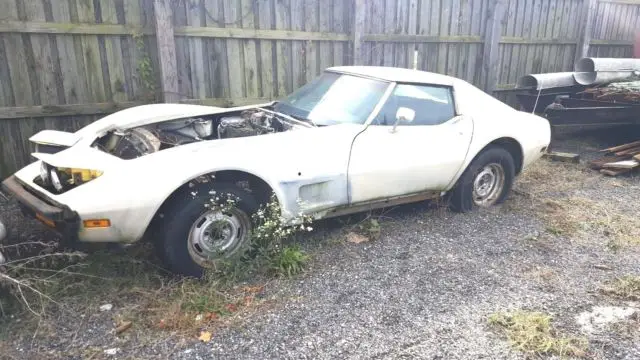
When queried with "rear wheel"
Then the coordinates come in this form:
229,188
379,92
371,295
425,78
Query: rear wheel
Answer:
486,182
197,236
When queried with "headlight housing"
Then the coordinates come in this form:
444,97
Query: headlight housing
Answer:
56,180
61,179
44,173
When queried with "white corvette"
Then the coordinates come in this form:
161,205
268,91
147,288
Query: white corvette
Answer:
354,139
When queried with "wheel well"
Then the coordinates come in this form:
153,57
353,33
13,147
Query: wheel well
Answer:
513,147
255,185
247,181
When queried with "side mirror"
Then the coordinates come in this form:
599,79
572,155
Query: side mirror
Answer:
403,114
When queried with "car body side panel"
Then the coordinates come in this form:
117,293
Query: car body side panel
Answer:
409,160
308,162
494,120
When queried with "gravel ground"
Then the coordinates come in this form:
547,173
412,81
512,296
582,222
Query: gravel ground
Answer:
424,290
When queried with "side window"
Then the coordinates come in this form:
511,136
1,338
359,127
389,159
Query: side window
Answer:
433,105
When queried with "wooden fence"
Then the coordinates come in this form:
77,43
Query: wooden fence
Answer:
65,63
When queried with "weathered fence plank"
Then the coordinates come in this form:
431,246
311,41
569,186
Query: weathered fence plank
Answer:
219,66
195,17
284,53
90,51
251,76
166,50
40,51
586,25
490,62
266,66
358,32
325,49
118,83
311,19
343,24
183,60
17,66
298,48
235,54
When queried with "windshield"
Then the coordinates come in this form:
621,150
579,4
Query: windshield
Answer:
334,99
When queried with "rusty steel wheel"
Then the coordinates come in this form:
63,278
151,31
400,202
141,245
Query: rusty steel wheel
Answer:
488,185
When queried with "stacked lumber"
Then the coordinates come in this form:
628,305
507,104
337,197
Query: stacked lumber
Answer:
618,160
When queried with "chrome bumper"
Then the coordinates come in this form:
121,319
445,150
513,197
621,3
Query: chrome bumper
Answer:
58,217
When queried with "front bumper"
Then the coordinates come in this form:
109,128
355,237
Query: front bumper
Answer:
58,217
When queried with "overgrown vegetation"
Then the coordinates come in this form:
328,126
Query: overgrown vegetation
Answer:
290,261
32,281
370,228
554,192
144,293
360,228
268,253
144,67
531,332
626,288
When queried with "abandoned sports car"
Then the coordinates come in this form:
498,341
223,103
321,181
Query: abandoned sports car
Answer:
353,139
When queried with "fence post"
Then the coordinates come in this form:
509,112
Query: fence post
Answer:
588,11
413,30
358,30
166,50
491,41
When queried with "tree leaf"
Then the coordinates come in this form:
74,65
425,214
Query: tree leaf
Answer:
205,336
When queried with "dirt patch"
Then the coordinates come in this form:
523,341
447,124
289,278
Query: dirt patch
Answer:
602,317
561,195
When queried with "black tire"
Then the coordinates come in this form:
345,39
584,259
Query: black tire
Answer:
173,235
461,199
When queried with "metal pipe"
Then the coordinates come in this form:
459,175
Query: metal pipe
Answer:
546,81
602,77
607,64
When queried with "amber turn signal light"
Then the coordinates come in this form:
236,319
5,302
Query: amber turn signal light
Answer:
97,223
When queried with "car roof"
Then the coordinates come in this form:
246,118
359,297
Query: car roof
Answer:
396,74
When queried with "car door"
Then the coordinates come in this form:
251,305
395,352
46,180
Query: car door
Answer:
420,154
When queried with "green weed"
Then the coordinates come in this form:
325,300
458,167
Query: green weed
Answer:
531,332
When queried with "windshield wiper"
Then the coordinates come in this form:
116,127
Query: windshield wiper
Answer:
301,118
304,122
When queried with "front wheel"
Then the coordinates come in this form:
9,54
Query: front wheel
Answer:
198,235
486,182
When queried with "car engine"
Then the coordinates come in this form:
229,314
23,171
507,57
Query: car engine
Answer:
136,142
249,123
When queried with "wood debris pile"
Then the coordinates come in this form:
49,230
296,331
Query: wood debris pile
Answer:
624,92
618,159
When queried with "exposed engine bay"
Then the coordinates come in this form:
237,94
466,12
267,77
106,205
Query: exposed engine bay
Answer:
140,141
